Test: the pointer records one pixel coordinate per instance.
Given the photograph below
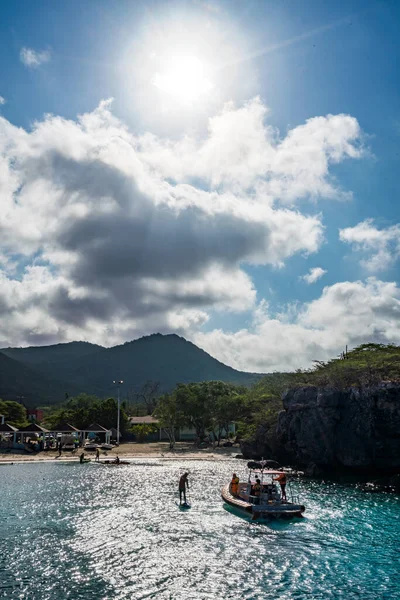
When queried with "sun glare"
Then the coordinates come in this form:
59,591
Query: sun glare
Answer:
185,79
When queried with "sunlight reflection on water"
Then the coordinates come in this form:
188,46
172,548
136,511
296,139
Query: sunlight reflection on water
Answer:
92,531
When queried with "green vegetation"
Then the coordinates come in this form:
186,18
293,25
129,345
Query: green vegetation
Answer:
208,407
142,431
14,413
83,410
367,364
170,415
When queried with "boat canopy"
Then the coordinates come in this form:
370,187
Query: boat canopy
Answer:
267,471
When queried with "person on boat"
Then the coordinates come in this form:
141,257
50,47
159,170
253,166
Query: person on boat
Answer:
82,457
257,491
97,455
183,484
282,479
234,485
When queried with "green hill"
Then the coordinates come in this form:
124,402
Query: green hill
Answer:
168,359
20,382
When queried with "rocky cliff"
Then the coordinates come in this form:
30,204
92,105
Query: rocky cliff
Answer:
352,429
343,430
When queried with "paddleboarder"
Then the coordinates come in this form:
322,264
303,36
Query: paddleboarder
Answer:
183,484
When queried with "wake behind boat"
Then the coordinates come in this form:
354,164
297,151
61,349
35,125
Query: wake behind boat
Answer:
260,497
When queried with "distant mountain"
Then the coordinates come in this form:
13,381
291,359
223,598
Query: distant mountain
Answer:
169,359
19,382
59,353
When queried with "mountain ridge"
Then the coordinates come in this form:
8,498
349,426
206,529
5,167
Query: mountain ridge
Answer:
90,368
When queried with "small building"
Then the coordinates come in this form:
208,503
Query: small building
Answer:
96,431
35,415
8,435
36,435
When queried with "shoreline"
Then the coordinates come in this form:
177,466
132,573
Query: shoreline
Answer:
129,452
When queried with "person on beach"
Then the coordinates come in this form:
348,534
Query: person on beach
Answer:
116,461
81,457
282,482
97,455
59,449
183,484
234,484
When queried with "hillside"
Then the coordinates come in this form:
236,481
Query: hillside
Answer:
168,359
54,355
19,382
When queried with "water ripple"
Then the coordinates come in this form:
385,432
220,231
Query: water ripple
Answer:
72,531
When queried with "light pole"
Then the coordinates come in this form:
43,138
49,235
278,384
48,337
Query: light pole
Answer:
118,383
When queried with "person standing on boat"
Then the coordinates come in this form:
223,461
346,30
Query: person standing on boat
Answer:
234,485
183,484
257,491
282,479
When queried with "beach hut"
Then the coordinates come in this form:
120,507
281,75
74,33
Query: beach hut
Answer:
68,433
7,431
95,430
32,428
65,428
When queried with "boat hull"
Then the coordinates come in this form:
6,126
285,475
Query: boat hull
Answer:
265,511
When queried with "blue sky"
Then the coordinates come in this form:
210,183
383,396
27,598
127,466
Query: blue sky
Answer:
223,217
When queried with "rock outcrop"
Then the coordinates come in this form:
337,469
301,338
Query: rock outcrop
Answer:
352,429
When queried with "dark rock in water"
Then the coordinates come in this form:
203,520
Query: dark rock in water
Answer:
239,456
354,429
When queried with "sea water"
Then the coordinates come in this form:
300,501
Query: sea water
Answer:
101,532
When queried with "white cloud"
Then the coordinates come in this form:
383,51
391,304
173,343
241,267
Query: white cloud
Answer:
346,313
383,245
242,152
313,275
134,235
33,58
2,100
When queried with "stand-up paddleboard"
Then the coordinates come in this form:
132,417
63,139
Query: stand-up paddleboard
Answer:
184,506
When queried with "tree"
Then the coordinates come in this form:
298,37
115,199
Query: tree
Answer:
142,430
148,395
170,416
83,410
228,408
14,413
194,401
207,406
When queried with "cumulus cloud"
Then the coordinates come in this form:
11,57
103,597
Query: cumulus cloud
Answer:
2,100
313,275
346,313
33,58
242,152
382,246
134,234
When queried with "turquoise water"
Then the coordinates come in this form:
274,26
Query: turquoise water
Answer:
98,532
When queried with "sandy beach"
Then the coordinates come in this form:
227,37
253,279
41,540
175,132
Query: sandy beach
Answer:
129,451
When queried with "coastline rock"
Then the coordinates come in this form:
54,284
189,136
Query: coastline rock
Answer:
330,429
312,470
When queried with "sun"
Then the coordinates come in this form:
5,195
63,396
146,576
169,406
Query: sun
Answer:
184,78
